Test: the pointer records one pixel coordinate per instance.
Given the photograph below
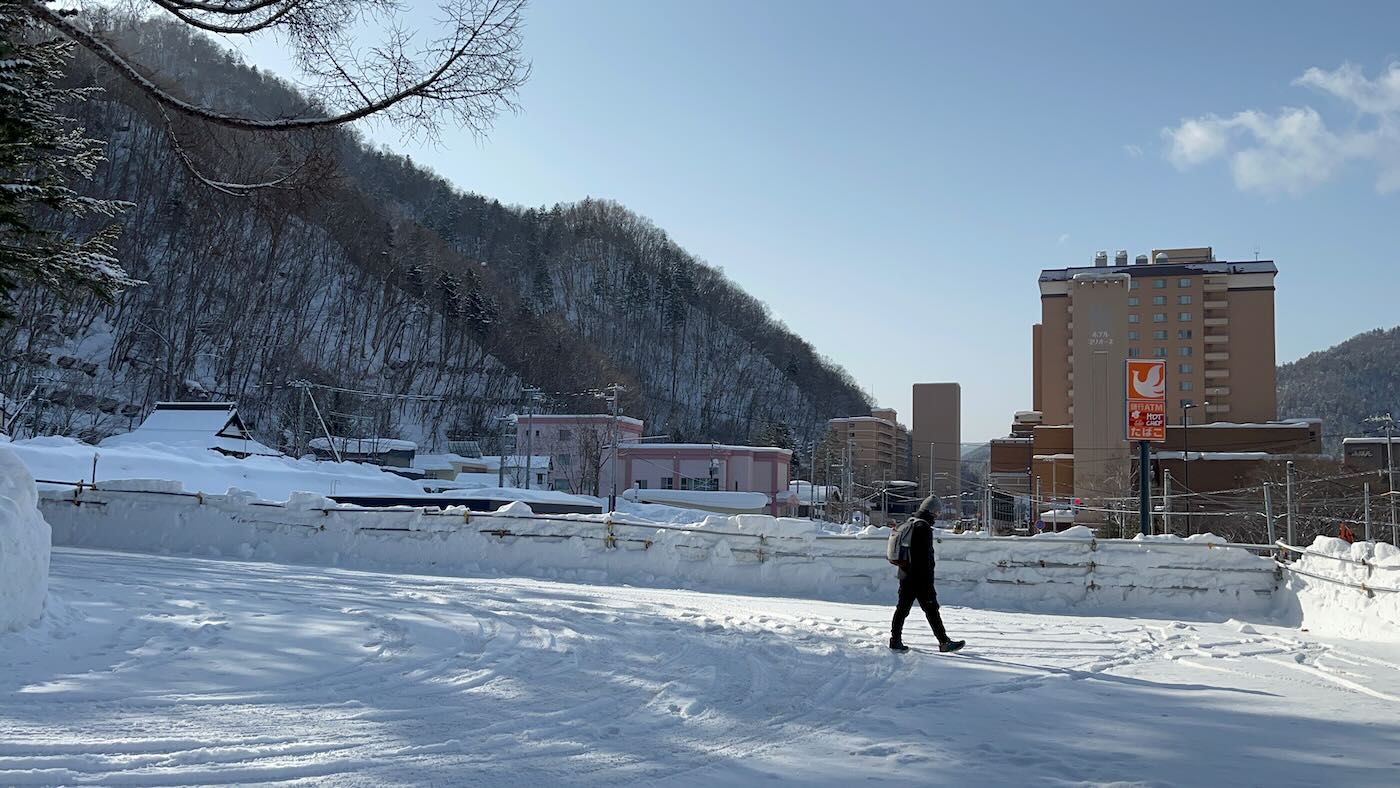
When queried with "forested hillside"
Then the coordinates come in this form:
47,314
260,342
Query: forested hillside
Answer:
1344,385
373,275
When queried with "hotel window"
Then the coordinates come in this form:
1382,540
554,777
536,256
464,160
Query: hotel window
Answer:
1134,319
1160,317
1159,352
1134,300
1184,369
565,460
1135,284
1159,300
1133,352
668,483
566,435
1184,317
1183,299
1184,350
1183,283
1159,334
1133,336
641,484
1186,385
1158,284
1183,333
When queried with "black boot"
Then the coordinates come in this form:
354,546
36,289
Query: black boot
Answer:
897,645
949,646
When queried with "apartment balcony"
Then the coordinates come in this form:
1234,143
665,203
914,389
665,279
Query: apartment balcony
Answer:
1217,374
1218,356
1218,391
1214,408
1216,339
1211,303
1215,286
1216,321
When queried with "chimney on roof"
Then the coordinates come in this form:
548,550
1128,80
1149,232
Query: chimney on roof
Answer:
1120,257
1100,258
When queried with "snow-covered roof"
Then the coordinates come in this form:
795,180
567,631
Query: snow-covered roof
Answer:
1378,440
1287,423
1215,455
805,491
208,425
554,418
493,462
441,462
630,447
722,502
362,445
1054,456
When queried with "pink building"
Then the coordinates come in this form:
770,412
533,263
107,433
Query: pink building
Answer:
704,466
577,445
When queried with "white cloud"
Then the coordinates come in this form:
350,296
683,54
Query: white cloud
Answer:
1294,150
1133,151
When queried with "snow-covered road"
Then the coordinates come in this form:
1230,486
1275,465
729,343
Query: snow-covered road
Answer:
156,671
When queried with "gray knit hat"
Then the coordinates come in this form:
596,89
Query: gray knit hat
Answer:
929,509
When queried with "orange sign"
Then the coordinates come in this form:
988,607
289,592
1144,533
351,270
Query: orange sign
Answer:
1146,390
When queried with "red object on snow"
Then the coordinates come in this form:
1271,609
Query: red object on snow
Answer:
1345,534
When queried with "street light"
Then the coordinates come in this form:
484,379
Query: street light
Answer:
1186,456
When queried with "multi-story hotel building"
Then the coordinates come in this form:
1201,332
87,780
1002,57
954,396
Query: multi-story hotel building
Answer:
1212,321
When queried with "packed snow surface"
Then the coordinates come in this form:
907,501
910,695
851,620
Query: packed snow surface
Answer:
24,545
163,670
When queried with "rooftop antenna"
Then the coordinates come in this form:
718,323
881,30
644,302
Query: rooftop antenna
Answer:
1256,253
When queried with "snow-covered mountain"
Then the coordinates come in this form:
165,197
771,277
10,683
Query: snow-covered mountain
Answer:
382,277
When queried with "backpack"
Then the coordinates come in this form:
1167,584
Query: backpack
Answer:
897,548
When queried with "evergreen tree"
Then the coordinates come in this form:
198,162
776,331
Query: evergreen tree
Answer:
41,152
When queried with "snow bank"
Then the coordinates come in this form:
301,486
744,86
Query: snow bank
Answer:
1339,589
24,546
201,470
742,553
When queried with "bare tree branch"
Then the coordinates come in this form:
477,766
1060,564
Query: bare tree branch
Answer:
469,74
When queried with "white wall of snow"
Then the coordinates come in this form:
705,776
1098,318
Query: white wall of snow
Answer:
24,546
745,553
1345,590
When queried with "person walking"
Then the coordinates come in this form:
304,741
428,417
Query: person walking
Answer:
916,578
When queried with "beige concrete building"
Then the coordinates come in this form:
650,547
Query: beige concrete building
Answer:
937,437
1212,321
878,447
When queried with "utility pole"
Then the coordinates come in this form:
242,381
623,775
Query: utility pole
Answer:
1388,424
1366,503
1144,489
1269,512
1035,513
1289,503
530,395
1166,501
613,391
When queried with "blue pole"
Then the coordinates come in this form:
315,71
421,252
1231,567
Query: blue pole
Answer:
1144,489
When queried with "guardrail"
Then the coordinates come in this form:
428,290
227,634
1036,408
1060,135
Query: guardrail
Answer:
1024,572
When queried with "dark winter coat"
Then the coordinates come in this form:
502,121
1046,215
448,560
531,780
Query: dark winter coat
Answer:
920,570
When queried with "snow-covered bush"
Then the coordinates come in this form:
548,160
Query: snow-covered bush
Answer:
24,545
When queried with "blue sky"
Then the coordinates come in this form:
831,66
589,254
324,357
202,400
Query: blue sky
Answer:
891,177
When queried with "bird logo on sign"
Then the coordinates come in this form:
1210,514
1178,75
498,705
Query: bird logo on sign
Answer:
1150,383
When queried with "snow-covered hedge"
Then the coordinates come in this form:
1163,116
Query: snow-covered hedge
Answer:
24,546
1346,590
744,553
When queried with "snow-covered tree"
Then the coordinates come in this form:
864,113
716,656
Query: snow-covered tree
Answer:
41,153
